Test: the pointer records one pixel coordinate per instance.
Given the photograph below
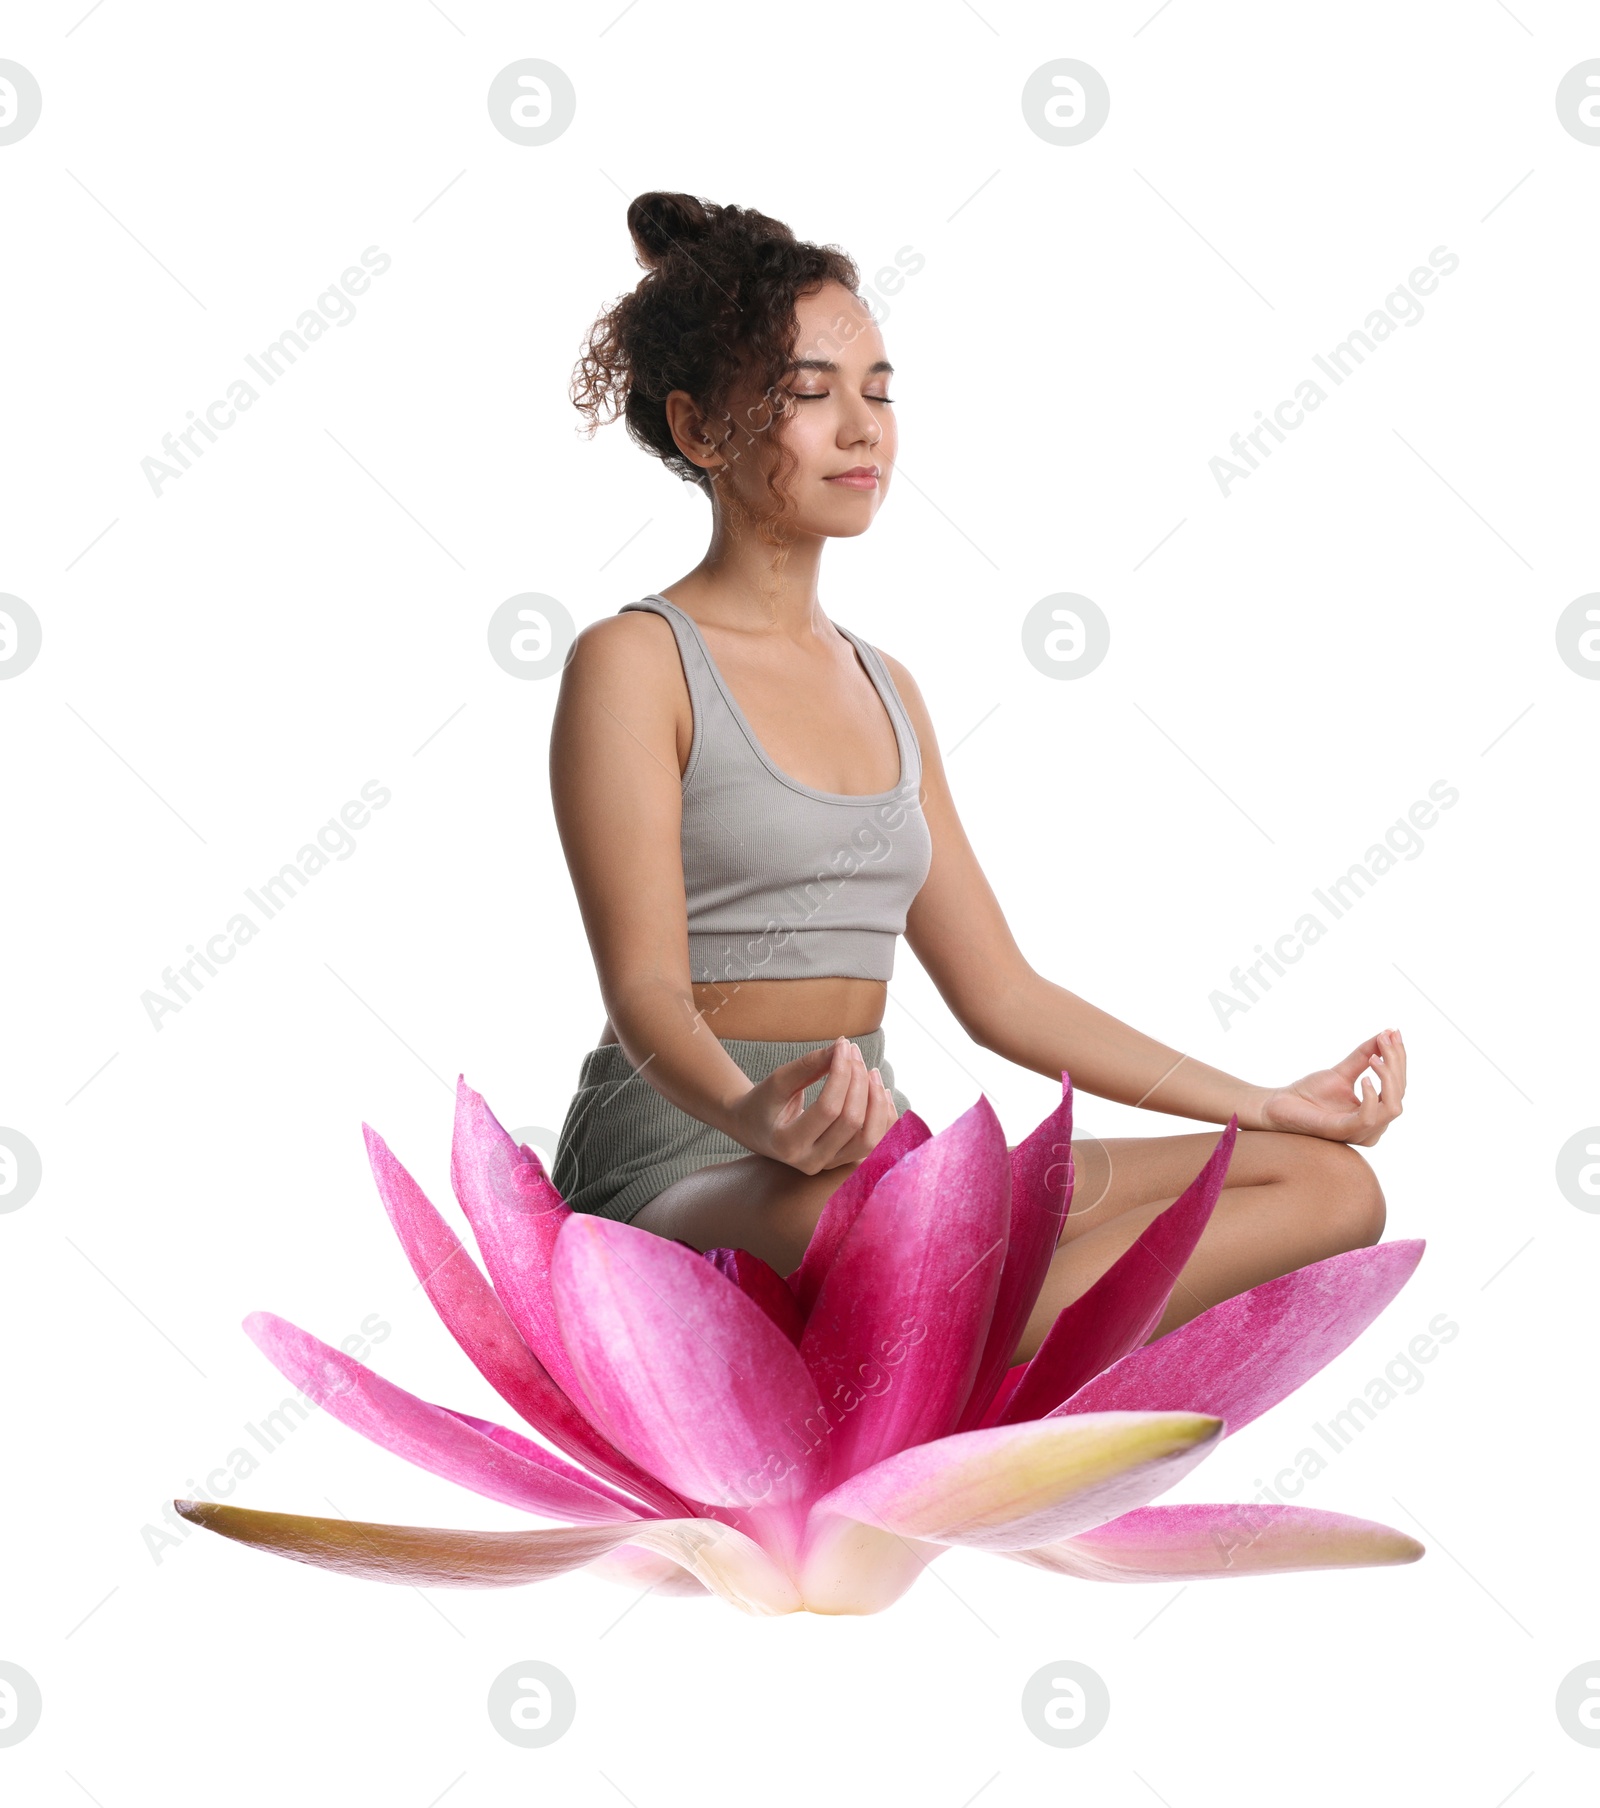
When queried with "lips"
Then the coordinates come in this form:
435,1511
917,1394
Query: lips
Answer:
860,477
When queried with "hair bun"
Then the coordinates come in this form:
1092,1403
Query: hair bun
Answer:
657,221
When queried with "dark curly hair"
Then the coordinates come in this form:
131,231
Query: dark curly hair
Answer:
716,308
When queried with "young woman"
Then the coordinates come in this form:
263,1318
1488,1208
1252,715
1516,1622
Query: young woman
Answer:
753,808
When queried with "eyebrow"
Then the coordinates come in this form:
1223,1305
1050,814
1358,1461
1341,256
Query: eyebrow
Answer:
828,364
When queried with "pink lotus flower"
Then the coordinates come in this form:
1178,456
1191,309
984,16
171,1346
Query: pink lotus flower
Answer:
816,1441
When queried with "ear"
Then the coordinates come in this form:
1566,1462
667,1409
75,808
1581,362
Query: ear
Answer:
691,431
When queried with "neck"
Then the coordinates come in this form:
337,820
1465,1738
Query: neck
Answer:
745,582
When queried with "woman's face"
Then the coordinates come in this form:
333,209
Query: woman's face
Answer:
840,430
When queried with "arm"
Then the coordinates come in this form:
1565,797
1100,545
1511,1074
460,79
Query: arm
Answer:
616,787
956,928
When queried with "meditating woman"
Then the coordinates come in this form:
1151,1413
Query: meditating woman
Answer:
753,809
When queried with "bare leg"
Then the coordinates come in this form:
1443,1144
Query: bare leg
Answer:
1288,1200
751,1202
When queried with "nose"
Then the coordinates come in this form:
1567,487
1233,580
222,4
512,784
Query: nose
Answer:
864,428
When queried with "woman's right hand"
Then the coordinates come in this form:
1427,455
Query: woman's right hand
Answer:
844,1123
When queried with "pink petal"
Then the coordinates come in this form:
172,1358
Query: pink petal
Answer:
1249,1352
516,1215
761,1282
724,1560
1189,1542
894,1338
1041,1196
847,1567
507,1467
1125,1305
688,1375
635,1569
907,1132
475,1318
1011,1487
995,1412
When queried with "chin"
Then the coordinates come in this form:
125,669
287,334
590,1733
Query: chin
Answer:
843,522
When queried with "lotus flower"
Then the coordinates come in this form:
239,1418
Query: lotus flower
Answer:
815,1441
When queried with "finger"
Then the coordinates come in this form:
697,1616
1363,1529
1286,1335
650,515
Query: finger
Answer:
1397,1061
836,1087
834,1138
824,1109
888,1099
791,1080
1389,1102
803,1069
880,1114
1358,1057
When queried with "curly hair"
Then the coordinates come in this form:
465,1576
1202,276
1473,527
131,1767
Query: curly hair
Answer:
716,307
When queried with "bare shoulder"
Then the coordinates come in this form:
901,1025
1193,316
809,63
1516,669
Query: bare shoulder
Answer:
628,664
623,648
622,671
910,695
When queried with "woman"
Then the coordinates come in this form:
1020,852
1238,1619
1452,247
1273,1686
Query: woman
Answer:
752,805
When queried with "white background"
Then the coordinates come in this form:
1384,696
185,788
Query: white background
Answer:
304,610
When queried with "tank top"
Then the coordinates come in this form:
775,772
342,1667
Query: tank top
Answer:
784,881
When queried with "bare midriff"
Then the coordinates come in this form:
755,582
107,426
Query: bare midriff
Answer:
786,1010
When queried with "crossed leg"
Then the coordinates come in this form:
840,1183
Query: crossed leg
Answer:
1288,1200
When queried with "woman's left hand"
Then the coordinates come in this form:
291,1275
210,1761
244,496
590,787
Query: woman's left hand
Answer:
1323,1104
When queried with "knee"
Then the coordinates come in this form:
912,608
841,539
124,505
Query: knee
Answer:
1346,1199
806,1198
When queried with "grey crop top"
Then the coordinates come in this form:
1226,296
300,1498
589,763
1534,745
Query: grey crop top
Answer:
782,881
